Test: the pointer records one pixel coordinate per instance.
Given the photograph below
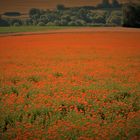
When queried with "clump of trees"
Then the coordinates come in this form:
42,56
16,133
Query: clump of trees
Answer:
77,16
11,22
105,13
106,4
131,15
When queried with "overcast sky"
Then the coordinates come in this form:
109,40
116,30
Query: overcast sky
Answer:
25,5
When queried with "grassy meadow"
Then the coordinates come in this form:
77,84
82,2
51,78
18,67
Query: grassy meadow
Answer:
21,29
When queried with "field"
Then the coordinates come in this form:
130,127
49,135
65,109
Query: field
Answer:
70,86
21,29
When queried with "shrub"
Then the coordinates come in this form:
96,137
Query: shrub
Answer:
81,22
50,24
16,24
114,20
66,17
71,23
63,22
78,22
57,22
28,22
99,19
4,23
116,13
41,24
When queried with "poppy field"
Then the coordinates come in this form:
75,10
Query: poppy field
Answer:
70,86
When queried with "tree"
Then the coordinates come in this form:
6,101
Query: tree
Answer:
105,4
34,13
115,4
82,14
60,7
131,16
3,22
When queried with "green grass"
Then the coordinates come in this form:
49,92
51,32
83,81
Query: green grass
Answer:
12,29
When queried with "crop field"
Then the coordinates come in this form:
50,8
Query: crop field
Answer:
70,86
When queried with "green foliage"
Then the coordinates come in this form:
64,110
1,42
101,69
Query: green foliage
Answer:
51,24
67,17
81,107
4,23
134,130
28,22
14,29
8,120
58,74
15,79
14,90
136,102
16,24
9,90
42,114
119,96
116,20
77,23
115,4
41,24
99,19
34,13
31,92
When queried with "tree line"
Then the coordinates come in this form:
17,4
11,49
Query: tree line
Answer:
103,14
